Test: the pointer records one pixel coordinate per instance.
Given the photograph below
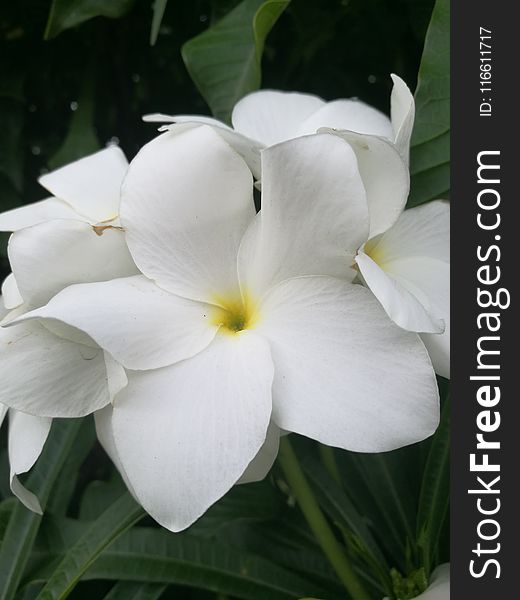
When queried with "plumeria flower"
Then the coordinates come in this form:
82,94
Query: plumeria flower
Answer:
72,237
27,436
439,588
242,323
407,267
52,366
267,117
415,286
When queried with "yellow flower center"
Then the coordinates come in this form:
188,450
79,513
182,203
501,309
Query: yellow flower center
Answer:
375,249
233,314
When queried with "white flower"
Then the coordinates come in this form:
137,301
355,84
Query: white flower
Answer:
267,117
439,588
57,242
72,237
408,269
414,290
240,321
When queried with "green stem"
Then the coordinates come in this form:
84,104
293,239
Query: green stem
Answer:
317,522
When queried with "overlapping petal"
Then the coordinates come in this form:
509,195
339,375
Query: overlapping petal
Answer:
50,256
90,185
138,323
343,371
314,214
10,293
27,436
402,111
33,214
185,434
420,231
385,176
271,117
403,306
49,376
352,115
186,202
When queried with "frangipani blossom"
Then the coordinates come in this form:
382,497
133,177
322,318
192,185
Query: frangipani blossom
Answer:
408,269
49,365
72,237
241,322
267,117
439,588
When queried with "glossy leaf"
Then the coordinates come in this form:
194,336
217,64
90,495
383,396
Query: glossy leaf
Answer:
430,152
117,518
157,556
225,61
435,491
159,6
23,524
65,14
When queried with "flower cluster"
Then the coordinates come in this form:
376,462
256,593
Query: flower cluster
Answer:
198,330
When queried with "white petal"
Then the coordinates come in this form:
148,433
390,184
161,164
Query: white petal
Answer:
3,412
420,231
429,281
270,116
138,323
385,176
314,214
352,115
438,346
90,185
403,115
248,149
116,376
261,464
186,202
27,436
10,293
401,304
38,212
105,434
345,375
186,433
48,376
50,256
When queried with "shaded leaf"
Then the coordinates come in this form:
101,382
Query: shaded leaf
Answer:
23,524
119,517
65,14
159,6
430,151
158,556
225,61
435,491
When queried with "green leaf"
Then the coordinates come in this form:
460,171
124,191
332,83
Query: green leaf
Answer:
225,61
430,147
342,511
159,6
65,14
65,485
119,517
129,590
23,525
435,491
252,502
157,556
